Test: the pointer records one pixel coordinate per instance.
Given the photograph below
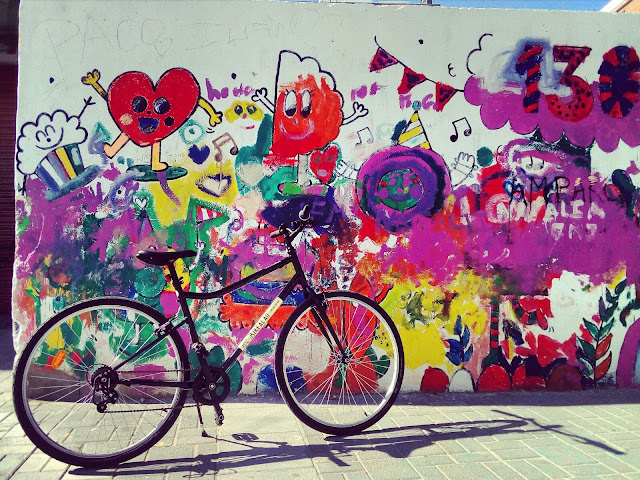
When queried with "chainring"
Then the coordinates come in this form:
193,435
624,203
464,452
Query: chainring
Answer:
211,396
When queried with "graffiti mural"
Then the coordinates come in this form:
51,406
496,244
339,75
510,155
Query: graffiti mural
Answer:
475,172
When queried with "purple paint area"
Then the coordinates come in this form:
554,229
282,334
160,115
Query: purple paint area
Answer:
70,240
398,183
594,240
496,109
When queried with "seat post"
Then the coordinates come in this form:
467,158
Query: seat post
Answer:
177,285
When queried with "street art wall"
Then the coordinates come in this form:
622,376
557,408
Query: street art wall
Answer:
474,171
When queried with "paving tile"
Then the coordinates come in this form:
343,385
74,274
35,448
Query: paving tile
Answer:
10,463
564,455
618,463
357,476
393,469
503,471
430,460
503,445
34,463
53,475
338,465
450,446
431,473
55,465
473,457
590,470
467,471
471,444
528,471
547,468
515,454
418,449
332,476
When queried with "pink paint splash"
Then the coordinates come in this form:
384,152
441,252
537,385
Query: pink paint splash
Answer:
496,109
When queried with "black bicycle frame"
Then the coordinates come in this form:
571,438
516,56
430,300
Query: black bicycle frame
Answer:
298,279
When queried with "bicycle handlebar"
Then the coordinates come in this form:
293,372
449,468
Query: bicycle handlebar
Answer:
295,227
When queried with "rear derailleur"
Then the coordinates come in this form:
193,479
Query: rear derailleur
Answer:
104,381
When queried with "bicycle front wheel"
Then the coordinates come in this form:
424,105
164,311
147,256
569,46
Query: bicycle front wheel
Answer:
56,395
335,393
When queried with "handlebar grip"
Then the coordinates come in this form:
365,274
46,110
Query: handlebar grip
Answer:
304,213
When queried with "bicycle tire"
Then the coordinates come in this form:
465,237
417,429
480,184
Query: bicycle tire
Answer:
55,369
353,394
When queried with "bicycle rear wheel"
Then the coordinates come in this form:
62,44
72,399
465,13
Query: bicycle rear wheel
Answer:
331,393
54,389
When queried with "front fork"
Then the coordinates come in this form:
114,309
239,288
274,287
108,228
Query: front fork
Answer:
324,324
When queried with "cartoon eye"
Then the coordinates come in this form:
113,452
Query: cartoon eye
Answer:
161,105
290,104
139,104
251,109
238,109
49,130
305,110
39,135
193,133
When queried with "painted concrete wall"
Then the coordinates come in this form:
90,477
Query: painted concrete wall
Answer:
473,170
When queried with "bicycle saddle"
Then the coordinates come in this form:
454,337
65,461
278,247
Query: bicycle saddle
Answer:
154,257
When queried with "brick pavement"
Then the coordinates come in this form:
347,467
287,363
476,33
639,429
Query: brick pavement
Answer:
453,436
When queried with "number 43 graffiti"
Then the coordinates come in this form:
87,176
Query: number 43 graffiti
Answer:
618,88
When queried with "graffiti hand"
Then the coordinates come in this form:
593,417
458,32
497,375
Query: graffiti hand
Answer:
91,78
215,119
259,95
359,110
89,101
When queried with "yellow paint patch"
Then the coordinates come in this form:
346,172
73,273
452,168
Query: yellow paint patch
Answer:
422,346
55,339
621,275
183,274
186,187
470,302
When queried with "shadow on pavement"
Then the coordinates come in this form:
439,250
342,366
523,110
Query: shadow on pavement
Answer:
397,442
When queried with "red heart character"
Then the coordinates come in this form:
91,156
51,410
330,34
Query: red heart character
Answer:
322,164
147,113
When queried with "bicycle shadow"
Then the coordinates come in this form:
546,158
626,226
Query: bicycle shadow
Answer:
245,451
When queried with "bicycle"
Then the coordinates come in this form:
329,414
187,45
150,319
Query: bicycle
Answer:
105,379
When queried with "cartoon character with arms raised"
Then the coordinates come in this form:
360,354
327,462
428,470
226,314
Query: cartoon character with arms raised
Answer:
307,109
148,113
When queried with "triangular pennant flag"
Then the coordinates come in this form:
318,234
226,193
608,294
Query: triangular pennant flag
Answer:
444,93
409,80
381,60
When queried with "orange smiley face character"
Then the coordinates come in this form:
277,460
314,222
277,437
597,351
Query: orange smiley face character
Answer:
307,112
307,116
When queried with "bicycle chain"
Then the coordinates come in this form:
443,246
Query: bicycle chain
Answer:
159,409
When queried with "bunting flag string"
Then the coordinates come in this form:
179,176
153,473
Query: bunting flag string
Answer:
410,78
